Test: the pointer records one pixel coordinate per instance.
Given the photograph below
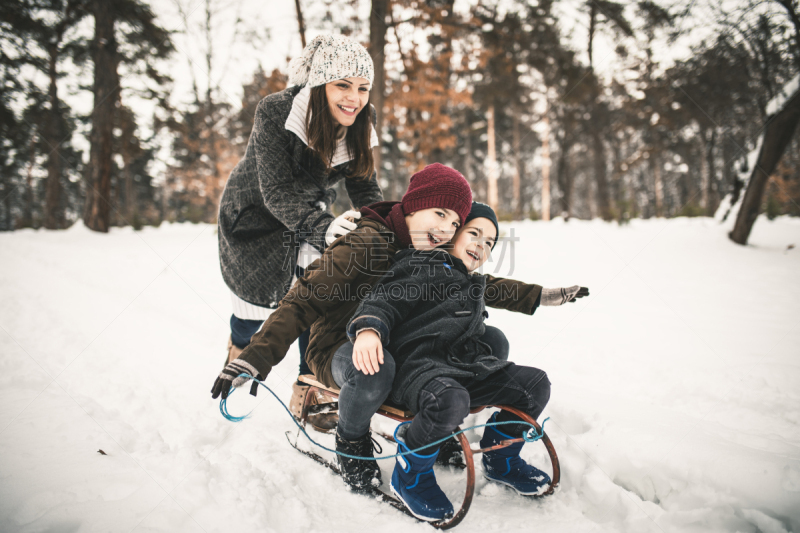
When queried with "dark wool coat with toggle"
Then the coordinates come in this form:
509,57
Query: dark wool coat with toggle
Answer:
429,311
278,194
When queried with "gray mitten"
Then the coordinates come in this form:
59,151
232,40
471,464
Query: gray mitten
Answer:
563,295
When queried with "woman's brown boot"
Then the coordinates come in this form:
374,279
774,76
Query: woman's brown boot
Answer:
322,422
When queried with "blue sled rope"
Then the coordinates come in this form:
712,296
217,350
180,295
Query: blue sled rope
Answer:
531,435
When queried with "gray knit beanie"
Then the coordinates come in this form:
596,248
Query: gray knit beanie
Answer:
328,58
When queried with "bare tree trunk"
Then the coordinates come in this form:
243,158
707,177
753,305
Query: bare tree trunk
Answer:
603,198
397,188
565,180
707,142
592,22
491,178
52,203
655,162
710,198
117,214
727,167
516,202
546,170
777,135
130,193
165,198
27,212
377,43
704,171
127,128
301,25
468,155
106,85
212,175
7,188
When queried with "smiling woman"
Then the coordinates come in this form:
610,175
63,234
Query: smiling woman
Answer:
335,113
274,215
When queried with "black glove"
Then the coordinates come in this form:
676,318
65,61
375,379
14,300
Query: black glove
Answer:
230,377
562,296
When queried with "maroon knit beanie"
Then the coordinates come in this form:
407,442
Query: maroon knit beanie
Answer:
438,186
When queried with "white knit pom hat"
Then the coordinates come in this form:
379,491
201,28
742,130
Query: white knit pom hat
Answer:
328,58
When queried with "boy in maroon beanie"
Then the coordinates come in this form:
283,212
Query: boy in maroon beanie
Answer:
436,203
412,218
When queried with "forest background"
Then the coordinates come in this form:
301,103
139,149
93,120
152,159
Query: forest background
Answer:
129,113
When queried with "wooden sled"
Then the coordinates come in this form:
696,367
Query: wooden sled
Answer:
402,415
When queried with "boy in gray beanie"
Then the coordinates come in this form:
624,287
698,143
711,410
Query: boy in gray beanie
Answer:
423,325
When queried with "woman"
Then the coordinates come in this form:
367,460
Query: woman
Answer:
438,199
274,216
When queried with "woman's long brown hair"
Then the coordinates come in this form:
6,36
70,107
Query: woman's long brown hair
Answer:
321,131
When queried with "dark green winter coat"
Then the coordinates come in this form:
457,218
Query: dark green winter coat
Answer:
278,194
429,312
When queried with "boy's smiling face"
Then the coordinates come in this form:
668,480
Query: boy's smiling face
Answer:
473,243
432,227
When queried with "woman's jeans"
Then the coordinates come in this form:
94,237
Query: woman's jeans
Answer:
242,330
362,394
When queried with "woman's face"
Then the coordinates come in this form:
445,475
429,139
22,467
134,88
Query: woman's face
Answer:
432,227
473,243
346,98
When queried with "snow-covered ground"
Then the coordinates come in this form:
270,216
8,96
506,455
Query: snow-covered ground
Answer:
675,406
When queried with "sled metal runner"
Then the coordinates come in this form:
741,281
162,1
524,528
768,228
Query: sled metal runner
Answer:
402,415
375,491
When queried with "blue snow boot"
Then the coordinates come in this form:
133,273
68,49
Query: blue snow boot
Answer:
414,483
506,466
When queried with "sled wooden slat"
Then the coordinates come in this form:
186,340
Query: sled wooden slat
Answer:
384,409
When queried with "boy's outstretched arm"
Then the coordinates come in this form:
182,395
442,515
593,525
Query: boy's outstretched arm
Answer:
513,295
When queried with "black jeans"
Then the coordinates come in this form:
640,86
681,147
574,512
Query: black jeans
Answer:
445,402
361,394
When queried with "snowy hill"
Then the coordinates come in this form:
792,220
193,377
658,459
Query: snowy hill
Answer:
675,406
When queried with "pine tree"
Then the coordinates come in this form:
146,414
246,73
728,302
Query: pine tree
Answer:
38,37
132,23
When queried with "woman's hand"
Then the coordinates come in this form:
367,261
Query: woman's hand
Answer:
341,225
368,352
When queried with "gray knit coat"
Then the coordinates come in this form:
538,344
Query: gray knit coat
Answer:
278,195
